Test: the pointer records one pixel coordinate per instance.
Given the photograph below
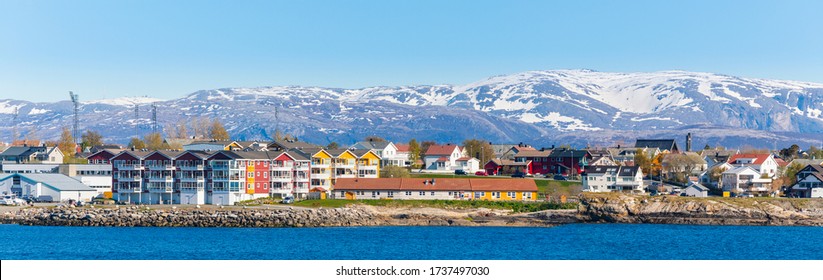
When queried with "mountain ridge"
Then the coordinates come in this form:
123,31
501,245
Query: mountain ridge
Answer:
538,106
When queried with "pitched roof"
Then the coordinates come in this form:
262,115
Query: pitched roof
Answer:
439,184
442,159
533,153
697,186
291,144
569,153
662,144
438,150
59,182
508,162
757,158
361,153
402,147
16,151
740,169
368,145
600,169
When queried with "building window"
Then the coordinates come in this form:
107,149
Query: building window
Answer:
432,193
408,193
422,193
265,174
511,194
479,194
391,194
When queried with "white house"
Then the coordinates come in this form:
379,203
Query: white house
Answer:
48,187
762,163
745,179
809,182
468,164
387,151
696,190
442,157
613,178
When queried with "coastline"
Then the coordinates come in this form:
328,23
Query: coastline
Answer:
593,208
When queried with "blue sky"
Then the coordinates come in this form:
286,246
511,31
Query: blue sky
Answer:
165,49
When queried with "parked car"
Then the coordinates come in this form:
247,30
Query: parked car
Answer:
287,200
480,173
519,175
460,172
559,177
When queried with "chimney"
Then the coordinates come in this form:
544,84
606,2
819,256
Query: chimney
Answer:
618,146
432,181
689,142
425,182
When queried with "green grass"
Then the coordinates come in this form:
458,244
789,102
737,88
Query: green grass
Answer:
515,206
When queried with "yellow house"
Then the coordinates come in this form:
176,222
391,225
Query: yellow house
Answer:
368,164
344,164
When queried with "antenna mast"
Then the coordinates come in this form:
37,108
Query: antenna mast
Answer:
76,100
14,128
154,117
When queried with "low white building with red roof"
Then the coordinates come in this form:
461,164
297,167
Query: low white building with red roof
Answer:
436,188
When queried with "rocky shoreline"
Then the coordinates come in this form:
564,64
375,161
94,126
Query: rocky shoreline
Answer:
593,208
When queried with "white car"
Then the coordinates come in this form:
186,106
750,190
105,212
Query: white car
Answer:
11,200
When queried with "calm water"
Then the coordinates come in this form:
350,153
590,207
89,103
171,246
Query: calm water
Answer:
577,241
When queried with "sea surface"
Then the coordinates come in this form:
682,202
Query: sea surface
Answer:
575,241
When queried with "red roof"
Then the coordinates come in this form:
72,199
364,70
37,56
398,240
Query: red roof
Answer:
402,147
758,158
440,150
442,159
440,184
463,159
781,162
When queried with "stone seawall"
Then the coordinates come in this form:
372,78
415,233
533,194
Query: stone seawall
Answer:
616,208
593,208
136,216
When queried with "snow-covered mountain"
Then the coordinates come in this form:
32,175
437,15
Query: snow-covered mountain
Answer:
543,107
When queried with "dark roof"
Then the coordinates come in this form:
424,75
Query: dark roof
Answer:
368,145
600,169
17,151
569,153
291,144
628,171
662,144
361,153
532,153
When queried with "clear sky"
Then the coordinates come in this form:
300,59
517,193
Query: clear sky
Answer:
167,49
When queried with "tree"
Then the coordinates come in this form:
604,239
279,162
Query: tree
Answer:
218,132
91,139
791,173
178,130
154,141
790,153
333,145
414,152
715,173
66,144
814,152
374,139
480,149
200,127
642,160
137,144
425,146
392,171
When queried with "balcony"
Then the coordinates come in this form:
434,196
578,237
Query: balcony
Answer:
281,179
161,167
129,189
198,167
129,167
129,179
160,189
196,179
285,167
161,179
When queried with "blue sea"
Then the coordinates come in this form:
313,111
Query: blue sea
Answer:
574,241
